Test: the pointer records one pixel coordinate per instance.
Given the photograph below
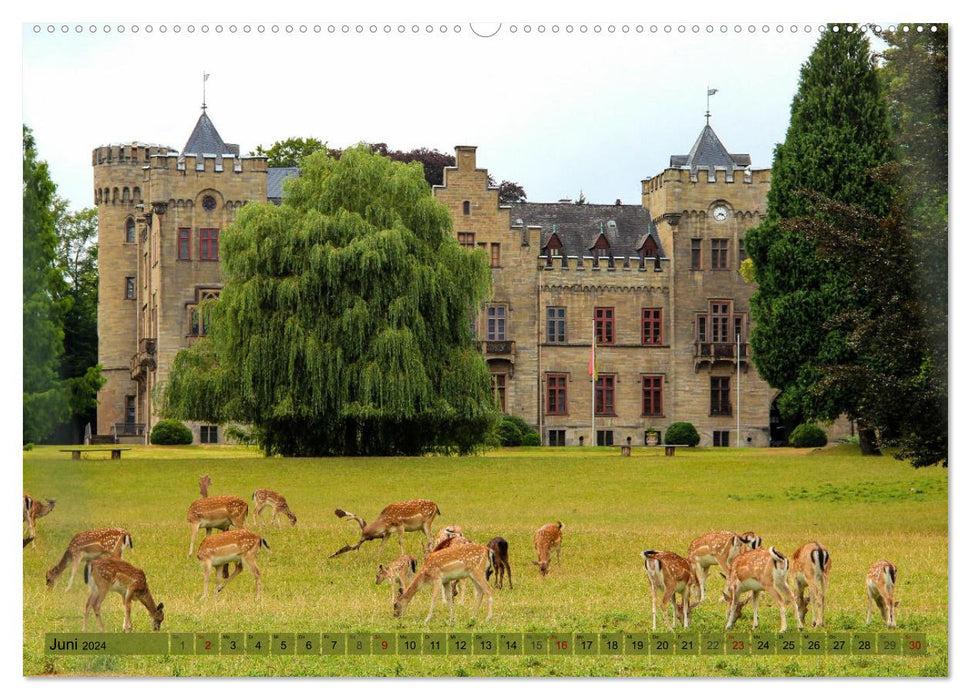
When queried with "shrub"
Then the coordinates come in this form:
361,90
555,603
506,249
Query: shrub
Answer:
682,433
807,435
514,431
171,432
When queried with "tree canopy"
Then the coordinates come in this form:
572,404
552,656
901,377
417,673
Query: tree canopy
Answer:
344,323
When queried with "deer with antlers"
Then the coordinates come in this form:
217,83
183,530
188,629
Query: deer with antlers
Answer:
237,547
465,560
265,498
34,509
500,551
760,570
111,574
409,516
547,539
719,547
881,580
810,565
214,512
87,545
398,573
670,574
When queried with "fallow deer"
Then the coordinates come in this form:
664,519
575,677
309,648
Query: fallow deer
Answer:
760,570
500,550
87,545
548,538
881,580
399,518
398,573
810,567
719,547
233,547
467,560
34,509
670,574
265,498
215,512
204,483
447,532
110,574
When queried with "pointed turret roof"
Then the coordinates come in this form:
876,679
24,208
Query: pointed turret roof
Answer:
709,152
205,139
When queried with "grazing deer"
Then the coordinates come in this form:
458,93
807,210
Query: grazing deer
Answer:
398,573
34,509
548,538
408,516
500,550
670,574
215,512
810,566
233,547
881,580
263,498
87,545
110,574
447,532
759,570
467,560
719,547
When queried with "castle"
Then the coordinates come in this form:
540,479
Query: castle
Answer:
657,285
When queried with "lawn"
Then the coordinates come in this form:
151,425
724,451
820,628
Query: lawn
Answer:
612,507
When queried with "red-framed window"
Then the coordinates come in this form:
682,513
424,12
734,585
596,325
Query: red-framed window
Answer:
499,390
185,244
494,259
604,395
695,253
209,244
466,239
719,253
651,327
556,395
721,396
495,323
720,322
652,391
604,325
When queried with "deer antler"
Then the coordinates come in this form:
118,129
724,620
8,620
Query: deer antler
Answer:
344,514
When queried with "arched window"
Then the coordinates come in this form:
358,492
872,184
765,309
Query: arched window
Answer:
129,230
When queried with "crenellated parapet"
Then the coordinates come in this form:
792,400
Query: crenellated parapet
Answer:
588,263
686,176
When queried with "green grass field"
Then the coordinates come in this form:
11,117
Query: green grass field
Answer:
613,507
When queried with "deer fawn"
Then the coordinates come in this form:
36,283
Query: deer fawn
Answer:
233,547
87,545
500,550
548,538
810,566
467,560
670,573
719,547
398,573
34,509
264,498
111,574
881,580
760,570
215,512
400,518
446,533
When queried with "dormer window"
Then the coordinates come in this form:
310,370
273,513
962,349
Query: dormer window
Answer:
601,249
554,247
650,248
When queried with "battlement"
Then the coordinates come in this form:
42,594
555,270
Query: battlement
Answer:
702,174
134,153
589,263
209,163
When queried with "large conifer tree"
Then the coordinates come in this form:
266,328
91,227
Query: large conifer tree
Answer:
344,324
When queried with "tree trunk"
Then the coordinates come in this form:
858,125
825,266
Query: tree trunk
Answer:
868,441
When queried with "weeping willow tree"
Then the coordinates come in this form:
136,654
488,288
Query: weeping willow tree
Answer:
343,327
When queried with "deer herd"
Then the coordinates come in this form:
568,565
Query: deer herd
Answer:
450,560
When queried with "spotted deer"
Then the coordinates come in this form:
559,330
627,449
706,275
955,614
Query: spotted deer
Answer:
670,574
719,547
547,539
34,509
500,550
237,547
467,560
810,565
398,573
87,545
111,574
215,512
881,580
447,532
408,516
760,570
265,498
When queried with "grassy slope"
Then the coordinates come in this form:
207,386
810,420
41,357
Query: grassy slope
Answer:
612,507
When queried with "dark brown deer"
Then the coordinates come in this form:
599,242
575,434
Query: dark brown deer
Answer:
500,548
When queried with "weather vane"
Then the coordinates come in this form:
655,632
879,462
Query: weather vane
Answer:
711,91
205,77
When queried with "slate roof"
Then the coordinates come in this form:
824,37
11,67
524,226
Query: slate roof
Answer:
274,182
578,226
205,139
709,152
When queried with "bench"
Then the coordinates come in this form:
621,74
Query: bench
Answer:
115,451
669,449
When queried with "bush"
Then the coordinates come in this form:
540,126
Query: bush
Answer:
682,433
171,432
807,435
514,431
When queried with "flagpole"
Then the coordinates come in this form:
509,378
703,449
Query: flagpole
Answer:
738,389
593,382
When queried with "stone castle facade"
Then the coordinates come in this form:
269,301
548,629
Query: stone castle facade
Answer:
656,284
